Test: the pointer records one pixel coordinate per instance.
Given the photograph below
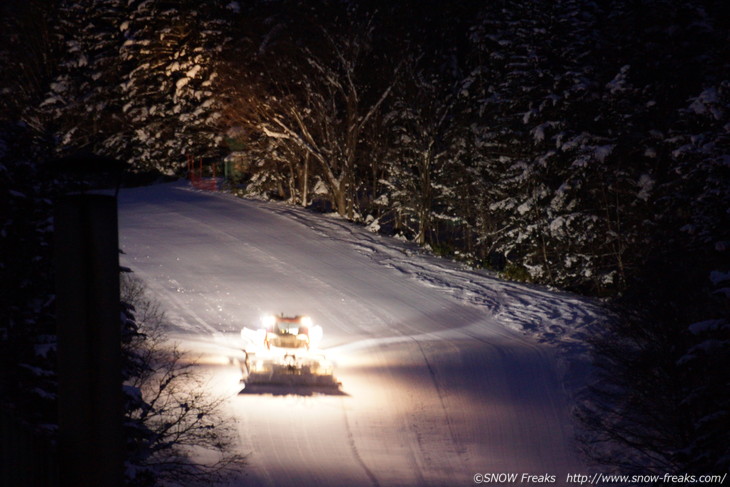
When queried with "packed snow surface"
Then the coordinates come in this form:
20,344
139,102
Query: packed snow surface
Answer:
446,372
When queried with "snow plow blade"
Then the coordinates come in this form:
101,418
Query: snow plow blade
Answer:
261,372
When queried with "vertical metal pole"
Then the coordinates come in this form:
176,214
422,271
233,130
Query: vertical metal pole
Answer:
89,341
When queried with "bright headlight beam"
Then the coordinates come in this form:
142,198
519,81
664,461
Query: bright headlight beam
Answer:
268,320
315,335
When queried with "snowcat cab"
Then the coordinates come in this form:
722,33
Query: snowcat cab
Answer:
290,332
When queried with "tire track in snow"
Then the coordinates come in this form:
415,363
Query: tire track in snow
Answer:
354,449
441,395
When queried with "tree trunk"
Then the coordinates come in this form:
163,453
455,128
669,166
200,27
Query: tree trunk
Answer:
339,200
305,181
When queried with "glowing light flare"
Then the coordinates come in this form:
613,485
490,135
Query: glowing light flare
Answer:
315,336
213,360
268,320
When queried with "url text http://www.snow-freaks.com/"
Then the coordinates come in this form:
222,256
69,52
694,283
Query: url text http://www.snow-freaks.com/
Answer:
596,479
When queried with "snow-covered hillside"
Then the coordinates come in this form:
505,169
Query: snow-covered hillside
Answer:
446,372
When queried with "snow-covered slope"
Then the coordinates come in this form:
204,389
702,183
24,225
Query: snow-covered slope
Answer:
446,372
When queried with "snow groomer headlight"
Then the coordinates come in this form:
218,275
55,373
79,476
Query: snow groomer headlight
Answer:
268,321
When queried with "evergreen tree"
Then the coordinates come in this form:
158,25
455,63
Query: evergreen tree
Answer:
706,397
422,158
679,69
82,105
28,382
170,59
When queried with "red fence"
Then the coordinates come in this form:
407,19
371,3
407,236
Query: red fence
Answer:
195,175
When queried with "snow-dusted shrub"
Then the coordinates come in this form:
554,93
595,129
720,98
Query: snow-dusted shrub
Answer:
516,272
171,415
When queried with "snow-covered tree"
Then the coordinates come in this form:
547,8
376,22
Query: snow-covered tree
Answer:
28,382
562,144
706,398
29,50
170,59
422,185
82,105
665,372
526,75
697,193
315,98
